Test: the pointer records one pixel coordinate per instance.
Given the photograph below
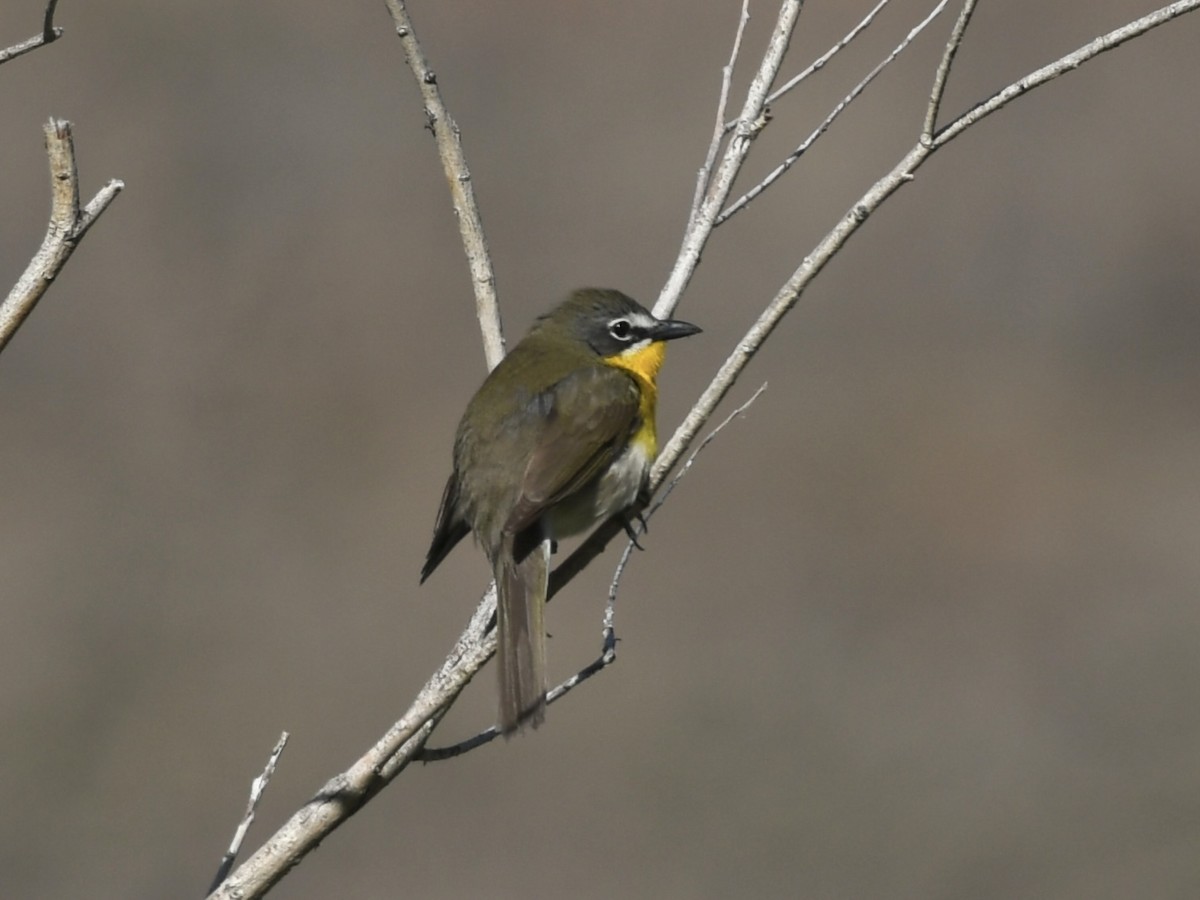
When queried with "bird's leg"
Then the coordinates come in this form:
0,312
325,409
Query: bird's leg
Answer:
627,520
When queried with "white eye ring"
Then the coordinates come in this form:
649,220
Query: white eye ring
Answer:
621,329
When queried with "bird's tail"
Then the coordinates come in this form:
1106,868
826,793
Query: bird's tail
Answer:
521,649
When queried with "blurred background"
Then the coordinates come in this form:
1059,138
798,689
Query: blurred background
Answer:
923,624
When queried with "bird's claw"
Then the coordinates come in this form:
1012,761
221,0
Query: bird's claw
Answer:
633,535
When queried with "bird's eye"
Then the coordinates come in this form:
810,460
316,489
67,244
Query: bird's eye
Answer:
620,329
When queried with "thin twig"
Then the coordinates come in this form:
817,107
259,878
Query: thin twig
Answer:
605,659
720,128
1068,63
346,793
746,198
708,439
820,62
661,498
627,552
66,228
608,655
458,176
50,34
942,76
750,122
258,787
439,754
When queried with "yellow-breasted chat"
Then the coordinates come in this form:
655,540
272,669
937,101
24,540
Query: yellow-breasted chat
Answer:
560,436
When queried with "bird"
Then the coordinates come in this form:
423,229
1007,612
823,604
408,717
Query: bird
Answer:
560,436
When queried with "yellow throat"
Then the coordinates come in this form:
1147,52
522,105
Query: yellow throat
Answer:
643,364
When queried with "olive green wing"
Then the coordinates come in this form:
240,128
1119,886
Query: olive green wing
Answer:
585,421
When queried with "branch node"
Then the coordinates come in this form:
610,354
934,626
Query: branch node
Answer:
50,33
65,228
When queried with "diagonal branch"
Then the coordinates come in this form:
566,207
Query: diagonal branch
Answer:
820,62
458,177
1068,63
943,70
68,224
345,794
704,177
743,201
50,34
258,787
752,120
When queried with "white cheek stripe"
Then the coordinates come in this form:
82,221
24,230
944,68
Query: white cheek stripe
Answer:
634,349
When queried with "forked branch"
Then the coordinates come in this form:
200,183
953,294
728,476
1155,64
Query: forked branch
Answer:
50,33
752,119
791,159
68,224
901,174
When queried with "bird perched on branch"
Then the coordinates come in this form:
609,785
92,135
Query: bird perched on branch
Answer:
560,436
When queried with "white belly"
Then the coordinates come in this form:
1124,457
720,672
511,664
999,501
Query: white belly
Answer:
612,492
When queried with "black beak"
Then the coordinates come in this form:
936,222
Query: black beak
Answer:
672,329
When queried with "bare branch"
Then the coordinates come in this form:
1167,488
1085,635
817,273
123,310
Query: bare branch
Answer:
686,467
608,655
68,224
458,176
258,787
943,71
820,61
1068,63
743,201
627,553
901,174
750,122
720,129
440,754
50,34
346,793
